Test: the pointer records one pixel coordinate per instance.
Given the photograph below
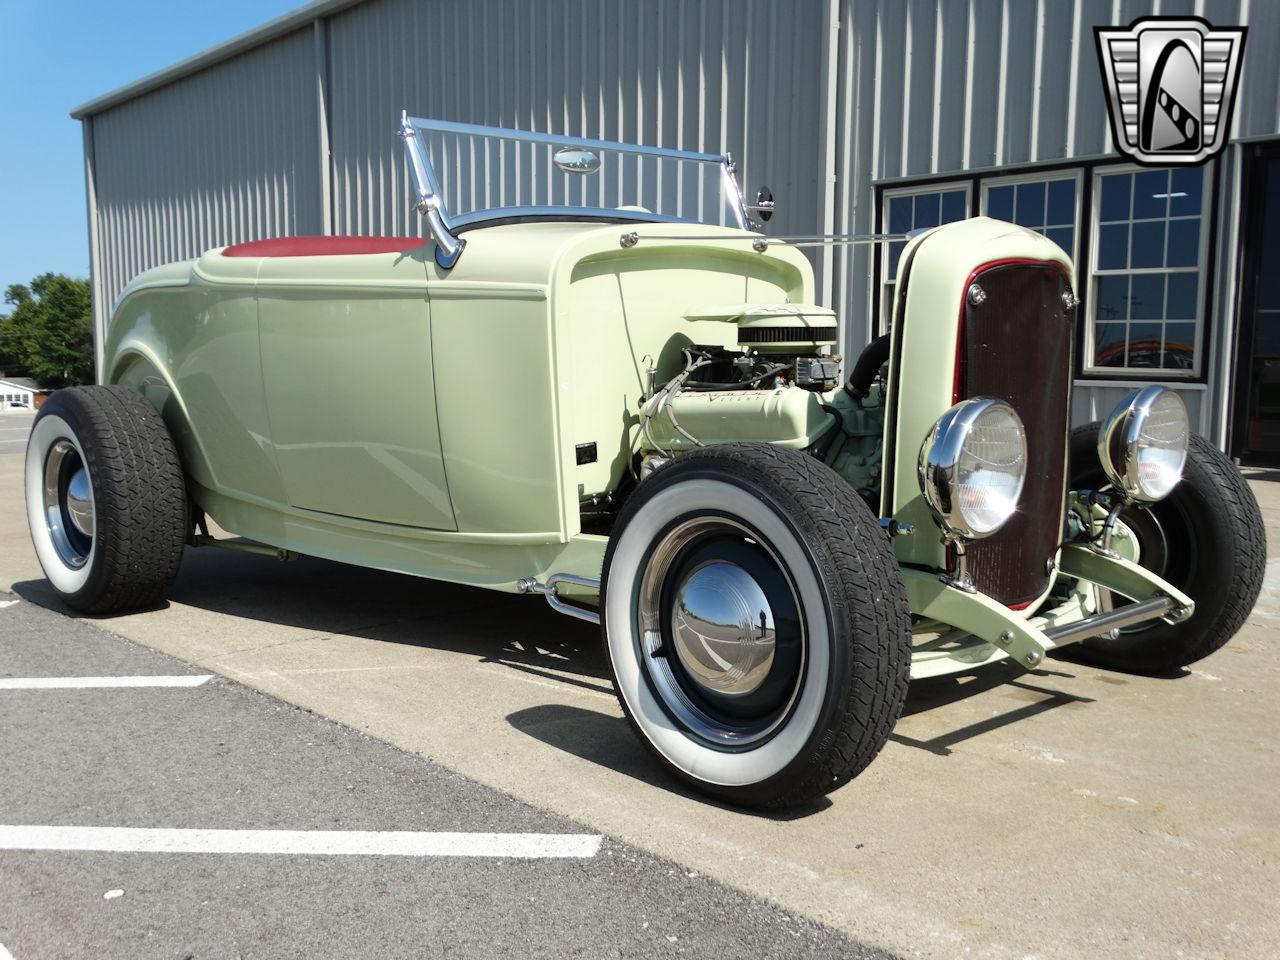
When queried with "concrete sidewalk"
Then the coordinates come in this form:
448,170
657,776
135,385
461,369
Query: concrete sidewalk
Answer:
1067,812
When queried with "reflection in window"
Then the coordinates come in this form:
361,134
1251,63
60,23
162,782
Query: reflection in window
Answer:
1147,269
905,211
917,212
1047,206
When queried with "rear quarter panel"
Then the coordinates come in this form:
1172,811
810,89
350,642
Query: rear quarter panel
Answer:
189,343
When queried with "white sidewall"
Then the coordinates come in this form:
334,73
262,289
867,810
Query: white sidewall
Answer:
694,758
48,430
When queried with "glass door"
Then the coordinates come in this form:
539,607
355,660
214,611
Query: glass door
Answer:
1256,426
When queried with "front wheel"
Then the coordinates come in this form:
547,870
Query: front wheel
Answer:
1206,538
756,624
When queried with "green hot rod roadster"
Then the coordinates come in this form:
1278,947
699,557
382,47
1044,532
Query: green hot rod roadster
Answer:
597,380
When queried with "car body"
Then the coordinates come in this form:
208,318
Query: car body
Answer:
479,407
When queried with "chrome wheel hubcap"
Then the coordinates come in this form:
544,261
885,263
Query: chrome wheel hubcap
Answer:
723,629
68,504
721,636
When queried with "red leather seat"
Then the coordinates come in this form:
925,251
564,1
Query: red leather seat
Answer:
323,246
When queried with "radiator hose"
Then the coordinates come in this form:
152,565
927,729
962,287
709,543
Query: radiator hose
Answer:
874,356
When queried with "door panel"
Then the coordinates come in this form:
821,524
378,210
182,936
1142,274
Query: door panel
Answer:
350,389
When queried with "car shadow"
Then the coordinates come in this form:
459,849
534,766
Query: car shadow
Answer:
521,634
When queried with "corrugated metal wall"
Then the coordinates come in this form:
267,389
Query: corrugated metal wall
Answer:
222,156
712,76
296,135
931,87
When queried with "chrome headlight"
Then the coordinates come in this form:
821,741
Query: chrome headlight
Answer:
972,467
1143,444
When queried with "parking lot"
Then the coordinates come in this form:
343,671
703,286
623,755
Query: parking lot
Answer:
1062,813
192,817
14,427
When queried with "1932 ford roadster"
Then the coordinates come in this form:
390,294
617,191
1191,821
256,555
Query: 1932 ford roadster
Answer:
597,381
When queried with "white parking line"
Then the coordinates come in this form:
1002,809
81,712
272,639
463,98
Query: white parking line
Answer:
62,683
5,954
387,843
3,605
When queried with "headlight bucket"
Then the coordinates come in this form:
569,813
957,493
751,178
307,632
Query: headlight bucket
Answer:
973,464
1143,444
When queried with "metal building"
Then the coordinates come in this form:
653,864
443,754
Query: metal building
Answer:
861,115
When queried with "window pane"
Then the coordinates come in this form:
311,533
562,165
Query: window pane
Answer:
1115,196
1148,244
1109,341
927,205
1062,202
1146,344
1146,297
1184,243
1113,298
1180,345
953,206
895,252
1000,202
1113,246
1150,194
1180,301
1063,237
1188,180
899,214
1030,207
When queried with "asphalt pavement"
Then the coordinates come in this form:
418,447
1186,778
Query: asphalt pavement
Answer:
217,756
14,427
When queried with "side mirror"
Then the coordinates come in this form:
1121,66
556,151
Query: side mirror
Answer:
763,205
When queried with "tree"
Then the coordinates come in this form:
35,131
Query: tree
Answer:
49,333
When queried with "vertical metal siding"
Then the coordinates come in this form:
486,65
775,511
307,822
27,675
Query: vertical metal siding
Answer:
296,135
222,156
714,76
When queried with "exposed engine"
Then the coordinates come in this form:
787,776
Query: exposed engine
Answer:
777,387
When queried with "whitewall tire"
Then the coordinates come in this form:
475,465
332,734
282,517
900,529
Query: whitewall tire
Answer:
106,501
755,623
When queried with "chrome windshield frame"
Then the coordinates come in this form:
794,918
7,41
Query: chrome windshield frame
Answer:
429,198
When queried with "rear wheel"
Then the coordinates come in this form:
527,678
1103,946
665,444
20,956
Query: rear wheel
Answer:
756,624
1206,538
106,502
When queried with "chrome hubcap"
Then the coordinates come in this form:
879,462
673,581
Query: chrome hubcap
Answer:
68,504
723,629
721,637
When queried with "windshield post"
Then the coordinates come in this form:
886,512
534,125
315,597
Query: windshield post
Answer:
729,170
427,193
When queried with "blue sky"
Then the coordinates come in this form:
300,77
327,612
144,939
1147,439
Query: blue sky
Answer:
55,55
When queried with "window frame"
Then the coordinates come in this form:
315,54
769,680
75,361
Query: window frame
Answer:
1041,176
884,285
1202,268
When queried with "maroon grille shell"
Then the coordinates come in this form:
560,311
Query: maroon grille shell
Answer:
1016,345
